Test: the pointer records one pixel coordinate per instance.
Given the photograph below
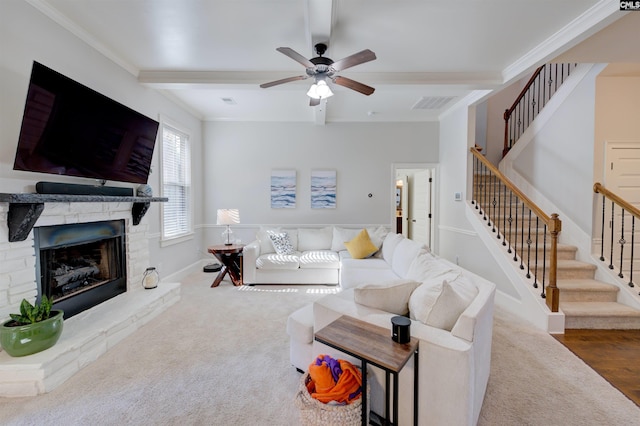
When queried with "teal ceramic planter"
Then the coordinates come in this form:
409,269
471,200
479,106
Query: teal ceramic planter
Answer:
32,338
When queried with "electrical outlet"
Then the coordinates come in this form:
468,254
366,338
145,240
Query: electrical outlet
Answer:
457,196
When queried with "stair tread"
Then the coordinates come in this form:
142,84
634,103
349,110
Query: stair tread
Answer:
585,284
570,263
598,309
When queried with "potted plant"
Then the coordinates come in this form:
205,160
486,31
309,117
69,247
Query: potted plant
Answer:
35,329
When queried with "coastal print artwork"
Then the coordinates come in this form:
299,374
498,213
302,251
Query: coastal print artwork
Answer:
283,189
323,189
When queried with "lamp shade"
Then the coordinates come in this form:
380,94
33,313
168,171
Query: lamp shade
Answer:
228,216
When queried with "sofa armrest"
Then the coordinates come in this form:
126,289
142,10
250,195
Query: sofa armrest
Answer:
250,254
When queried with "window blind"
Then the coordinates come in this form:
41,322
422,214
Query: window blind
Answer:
176,183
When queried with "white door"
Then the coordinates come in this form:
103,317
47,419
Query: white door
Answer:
622,177
404,204
420,208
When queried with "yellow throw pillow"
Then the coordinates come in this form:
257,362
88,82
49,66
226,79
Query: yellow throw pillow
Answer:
361,246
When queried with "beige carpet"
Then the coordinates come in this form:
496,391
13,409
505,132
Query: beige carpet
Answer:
220,357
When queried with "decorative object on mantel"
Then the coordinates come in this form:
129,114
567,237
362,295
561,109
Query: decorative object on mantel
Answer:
35,329
144,191
150,279
25,209
228,217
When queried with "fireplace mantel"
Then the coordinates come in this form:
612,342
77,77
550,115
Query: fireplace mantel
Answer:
25,209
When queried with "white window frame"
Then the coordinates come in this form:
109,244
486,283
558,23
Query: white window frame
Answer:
187,233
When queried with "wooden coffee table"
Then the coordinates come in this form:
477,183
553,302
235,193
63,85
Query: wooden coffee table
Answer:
373,345
229,256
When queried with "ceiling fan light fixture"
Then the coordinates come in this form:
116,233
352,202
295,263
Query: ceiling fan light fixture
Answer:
320,90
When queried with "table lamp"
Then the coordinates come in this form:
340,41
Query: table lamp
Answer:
228,217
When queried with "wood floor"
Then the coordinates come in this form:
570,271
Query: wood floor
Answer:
614,354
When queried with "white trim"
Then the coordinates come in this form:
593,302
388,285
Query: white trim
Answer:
165,242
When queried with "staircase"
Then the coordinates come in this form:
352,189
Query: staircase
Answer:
586,302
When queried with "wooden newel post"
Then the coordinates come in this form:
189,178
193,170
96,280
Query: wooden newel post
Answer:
553,293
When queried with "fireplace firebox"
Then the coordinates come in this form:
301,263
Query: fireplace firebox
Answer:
81,265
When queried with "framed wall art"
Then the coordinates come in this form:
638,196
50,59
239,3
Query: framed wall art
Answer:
323,189
283,189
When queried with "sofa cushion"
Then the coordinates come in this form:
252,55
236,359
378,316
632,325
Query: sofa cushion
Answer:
426,266
360,246
353,277
278,261
392,296
341,235
406,251
440,305
319,259
281,243
369,263
315,239
389,246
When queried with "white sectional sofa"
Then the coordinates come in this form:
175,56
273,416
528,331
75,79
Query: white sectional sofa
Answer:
451,311
317,255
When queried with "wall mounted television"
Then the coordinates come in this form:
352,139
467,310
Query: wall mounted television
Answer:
70,129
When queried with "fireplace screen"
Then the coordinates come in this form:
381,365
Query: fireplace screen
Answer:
81,265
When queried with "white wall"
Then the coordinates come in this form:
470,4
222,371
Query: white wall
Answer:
239,158
617,112
558,161
27,35
458,241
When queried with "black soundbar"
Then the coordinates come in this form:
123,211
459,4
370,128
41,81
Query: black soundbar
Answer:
76,189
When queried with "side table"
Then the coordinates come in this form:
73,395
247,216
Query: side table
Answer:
373,345
229,256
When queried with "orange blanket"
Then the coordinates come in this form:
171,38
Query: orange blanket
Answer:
324,388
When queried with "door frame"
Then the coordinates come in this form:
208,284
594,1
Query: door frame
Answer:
434,197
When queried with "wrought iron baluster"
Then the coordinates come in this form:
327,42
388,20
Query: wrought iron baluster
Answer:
621,241
515,245
529,241
522,240
510,220
611,229
544,264
604,201
535,261
633,240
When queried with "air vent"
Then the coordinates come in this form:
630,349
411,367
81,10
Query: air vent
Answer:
432,102
228,101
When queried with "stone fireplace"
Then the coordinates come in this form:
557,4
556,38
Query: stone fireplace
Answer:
121,307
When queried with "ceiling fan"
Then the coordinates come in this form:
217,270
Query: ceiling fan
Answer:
322,68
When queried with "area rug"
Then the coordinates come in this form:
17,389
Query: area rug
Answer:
221,357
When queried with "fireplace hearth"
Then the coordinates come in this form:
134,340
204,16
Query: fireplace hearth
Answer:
80,265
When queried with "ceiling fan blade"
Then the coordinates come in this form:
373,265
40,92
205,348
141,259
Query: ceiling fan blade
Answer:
284,80
354,85
314,102
353,60
295,56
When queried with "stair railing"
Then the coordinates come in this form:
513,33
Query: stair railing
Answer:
542,85
618,228
527,233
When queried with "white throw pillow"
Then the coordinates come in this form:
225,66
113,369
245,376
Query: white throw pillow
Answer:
392,296
266,246
315,239
389,246
439,305
403,255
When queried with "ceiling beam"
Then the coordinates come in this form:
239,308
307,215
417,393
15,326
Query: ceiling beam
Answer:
319,15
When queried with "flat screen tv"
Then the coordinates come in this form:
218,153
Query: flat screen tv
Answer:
70,129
